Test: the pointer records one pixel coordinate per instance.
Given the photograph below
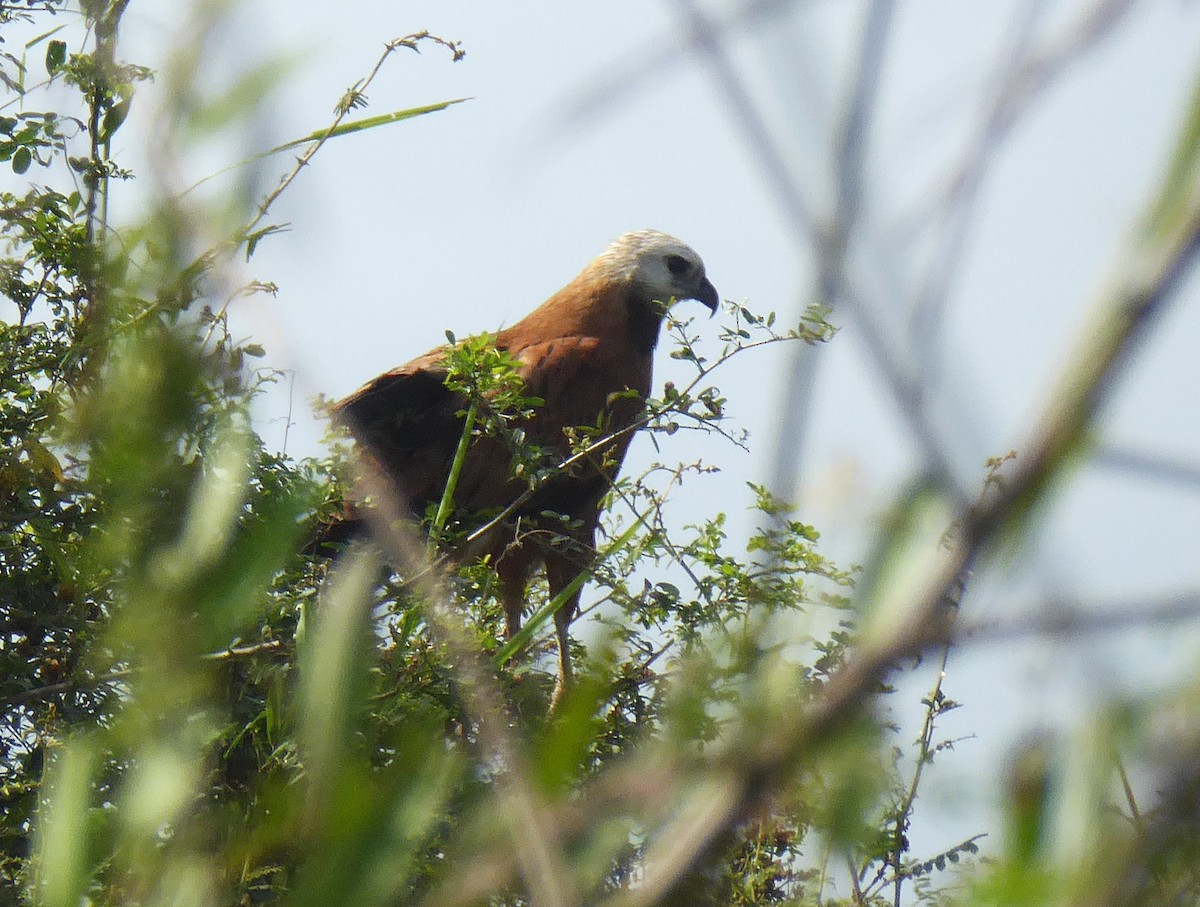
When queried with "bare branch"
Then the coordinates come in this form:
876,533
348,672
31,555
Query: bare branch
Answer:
348,102
1141,464
1026,75
1070,620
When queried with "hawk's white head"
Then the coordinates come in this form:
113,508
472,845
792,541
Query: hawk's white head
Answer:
658,266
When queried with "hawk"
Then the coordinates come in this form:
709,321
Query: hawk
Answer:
587,354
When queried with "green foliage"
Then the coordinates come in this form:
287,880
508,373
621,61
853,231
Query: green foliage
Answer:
489,378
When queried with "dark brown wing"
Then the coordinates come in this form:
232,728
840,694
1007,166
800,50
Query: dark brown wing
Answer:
407,419
409,423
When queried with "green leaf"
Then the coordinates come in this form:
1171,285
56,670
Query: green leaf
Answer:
253,239
113,119
334,665
22,159
63,826
343,129
382,119
56,56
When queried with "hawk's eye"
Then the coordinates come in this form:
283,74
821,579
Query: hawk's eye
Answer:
677,265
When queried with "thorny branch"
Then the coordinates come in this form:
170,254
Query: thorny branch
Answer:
350,100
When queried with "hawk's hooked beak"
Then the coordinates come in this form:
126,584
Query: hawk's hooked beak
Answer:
708,295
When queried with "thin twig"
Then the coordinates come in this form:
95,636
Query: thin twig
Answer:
1134,813
587,452
90,681
924,745
855,888
1062,619
65,686
833,243
1027,76
1142,464
267,645
661,54
349,101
